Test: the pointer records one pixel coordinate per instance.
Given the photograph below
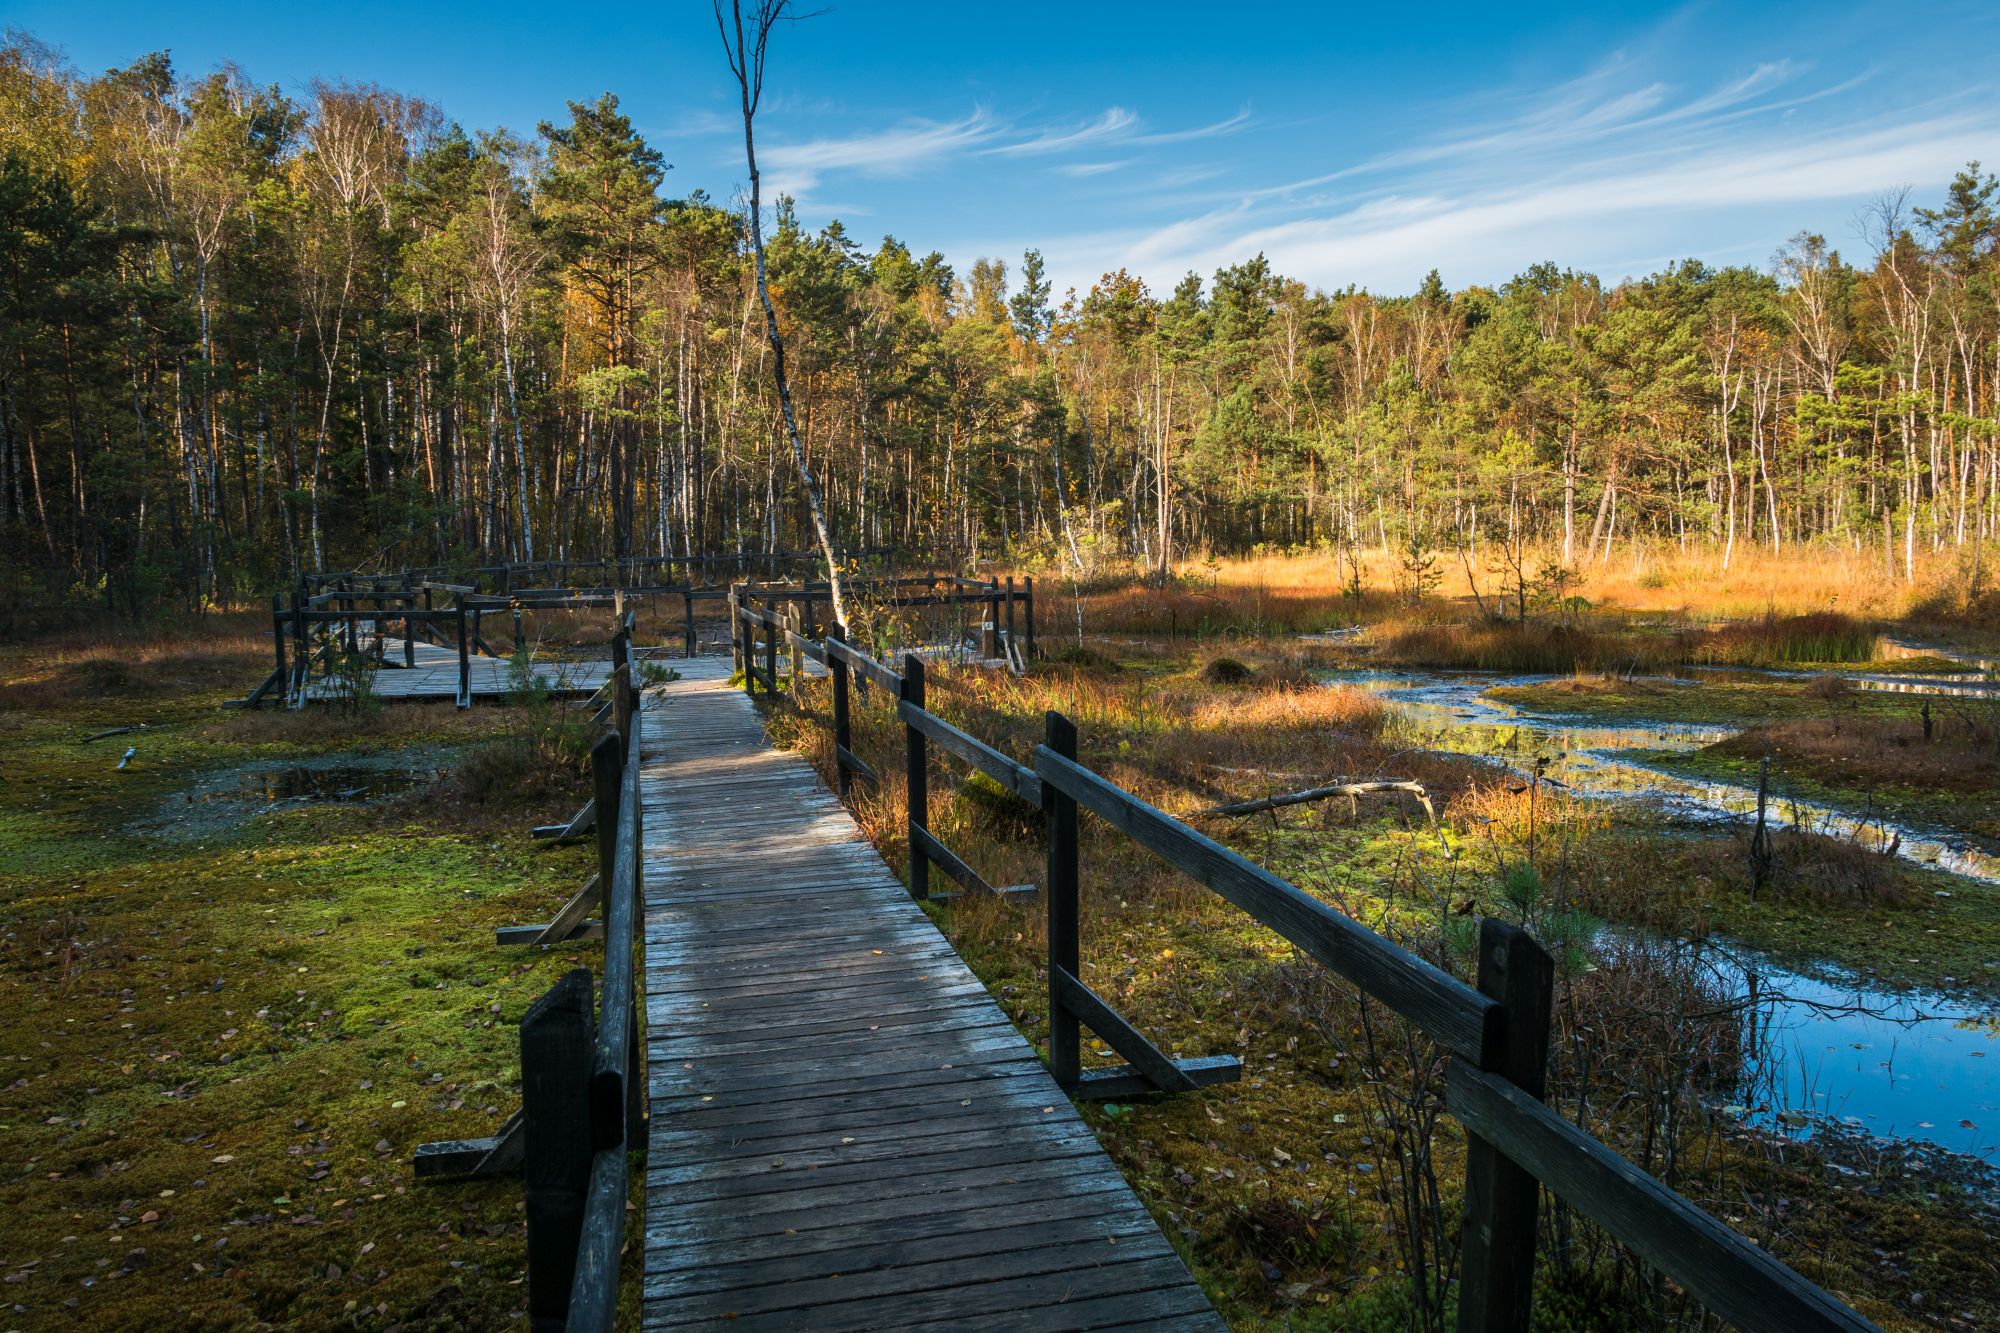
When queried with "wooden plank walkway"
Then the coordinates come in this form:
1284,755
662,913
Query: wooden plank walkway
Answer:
435,675
847,1133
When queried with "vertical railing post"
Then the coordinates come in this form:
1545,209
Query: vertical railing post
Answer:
770,623
738,649
1065,946
606,769
989,646
409,625
464,654
301,646
843,728
1028,608
622,700
1497,1246
1010,614
916,777
687,618
793,623
557,1041
278,639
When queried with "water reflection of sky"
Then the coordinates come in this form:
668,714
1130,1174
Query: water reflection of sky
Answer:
1893,1063
1904,1064
1451,713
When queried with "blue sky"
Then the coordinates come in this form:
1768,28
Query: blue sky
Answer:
1351,144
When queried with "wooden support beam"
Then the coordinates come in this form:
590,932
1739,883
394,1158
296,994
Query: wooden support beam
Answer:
580,825
1122,1081
1162,1072
566,924
460,1159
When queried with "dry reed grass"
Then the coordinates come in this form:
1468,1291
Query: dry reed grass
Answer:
1864,751
136,663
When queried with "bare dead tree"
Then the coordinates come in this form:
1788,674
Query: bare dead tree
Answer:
747,48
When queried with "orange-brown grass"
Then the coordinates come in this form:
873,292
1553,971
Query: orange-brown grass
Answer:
134,663
1818,636
1864,750
1303,591
1523,649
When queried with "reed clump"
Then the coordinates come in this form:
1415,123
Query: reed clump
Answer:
1774,641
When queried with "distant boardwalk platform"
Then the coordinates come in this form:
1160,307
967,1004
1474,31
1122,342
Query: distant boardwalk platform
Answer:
435,676
846,1131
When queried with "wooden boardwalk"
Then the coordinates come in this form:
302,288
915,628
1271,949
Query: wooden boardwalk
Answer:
847,1133
435,675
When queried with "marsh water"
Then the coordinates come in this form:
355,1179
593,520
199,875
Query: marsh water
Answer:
1828,1050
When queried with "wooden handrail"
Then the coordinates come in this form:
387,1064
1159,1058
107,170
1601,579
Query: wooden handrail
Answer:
1457,1016
1017,778
1493,1083
1729,1274
875,671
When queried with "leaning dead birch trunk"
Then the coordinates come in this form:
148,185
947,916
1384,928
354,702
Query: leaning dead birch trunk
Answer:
746,62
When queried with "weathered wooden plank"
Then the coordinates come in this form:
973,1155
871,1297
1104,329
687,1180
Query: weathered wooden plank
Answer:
1062,1250
743,1235
846,1131
927,1239
1037,1301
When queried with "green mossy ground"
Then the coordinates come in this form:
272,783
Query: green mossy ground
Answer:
1721,701
224,1046
1969,816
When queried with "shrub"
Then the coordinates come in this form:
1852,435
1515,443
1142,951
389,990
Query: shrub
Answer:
1227,671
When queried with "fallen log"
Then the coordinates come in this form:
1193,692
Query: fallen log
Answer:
1323,793
1353,790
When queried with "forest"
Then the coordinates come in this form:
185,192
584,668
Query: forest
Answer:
245,333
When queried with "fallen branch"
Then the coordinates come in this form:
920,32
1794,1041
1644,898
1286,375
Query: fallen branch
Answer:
1323,793
1352,790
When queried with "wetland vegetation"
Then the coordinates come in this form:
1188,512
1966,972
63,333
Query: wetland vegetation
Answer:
247,973
1808,1054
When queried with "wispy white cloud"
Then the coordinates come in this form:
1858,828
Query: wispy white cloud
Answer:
1230,125
1083,169
1633,194
1113,124
920,145
900,150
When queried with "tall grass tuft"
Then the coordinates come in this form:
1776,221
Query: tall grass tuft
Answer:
1820,636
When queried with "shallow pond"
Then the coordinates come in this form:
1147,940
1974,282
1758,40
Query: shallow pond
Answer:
1605,759
224,799
1832,1050
1828,1049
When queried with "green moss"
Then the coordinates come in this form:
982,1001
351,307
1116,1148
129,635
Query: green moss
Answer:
223,1051
1721,701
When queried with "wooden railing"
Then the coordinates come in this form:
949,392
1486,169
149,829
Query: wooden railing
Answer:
1497,1031
583,1104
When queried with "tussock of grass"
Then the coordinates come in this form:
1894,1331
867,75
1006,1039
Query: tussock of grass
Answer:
1821,636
